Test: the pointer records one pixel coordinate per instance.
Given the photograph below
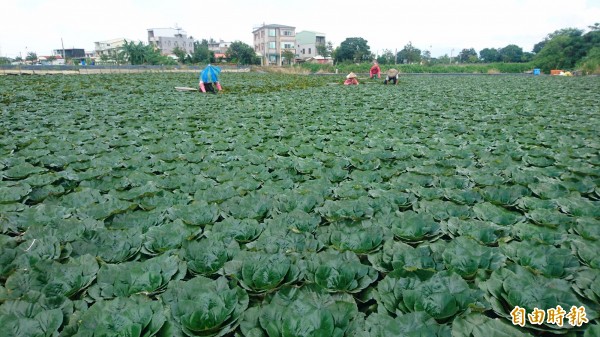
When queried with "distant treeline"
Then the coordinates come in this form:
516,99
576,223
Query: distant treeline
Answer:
568,49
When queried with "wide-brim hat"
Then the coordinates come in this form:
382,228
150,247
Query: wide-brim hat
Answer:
351,75
392,72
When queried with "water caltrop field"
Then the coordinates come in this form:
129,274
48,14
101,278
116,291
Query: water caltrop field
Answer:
292,205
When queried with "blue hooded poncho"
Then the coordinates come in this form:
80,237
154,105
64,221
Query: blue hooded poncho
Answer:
210,74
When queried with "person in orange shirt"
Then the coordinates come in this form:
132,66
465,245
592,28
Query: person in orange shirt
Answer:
375,70
351,79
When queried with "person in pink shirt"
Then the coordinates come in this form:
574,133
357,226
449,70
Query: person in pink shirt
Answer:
351,79
375,70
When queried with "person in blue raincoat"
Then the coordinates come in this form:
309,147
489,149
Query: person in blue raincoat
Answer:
209,79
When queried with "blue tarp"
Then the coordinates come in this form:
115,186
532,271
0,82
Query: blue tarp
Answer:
210,74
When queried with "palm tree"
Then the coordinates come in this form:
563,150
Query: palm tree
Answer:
135,53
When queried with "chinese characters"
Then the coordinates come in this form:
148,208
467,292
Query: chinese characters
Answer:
575,317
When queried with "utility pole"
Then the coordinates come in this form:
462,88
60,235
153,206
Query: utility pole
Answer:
279,47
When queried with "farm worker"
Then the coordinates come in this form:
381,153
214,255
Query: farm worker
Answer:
375,70
351,79
209,79
391,76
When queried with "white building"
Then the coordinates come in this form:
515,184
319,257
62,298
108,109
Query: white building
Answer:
307,42
167,39
109,47
219,47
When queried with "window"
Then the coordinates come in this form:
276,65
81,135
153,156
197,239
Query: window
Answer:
287,45
287,33
272,32
273,58
272,45
309,51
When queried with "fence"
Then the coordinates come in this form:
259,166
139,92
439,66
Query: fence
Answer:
106,69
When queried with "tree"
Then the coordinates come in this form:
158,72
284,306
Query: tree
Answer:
489,55
591,39
4,60
136,53
527,57
202,54
445,59
31,57
426,56
556,54
354,49
468,55
325,50
539,46
139,53
571,32
591,63
118,56
154,57
409,54
387,57
511,53
288,55
242,53
180,53
568,48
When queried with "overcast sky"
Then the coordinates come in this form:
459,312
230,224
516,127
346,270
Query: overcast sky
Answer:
442,26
